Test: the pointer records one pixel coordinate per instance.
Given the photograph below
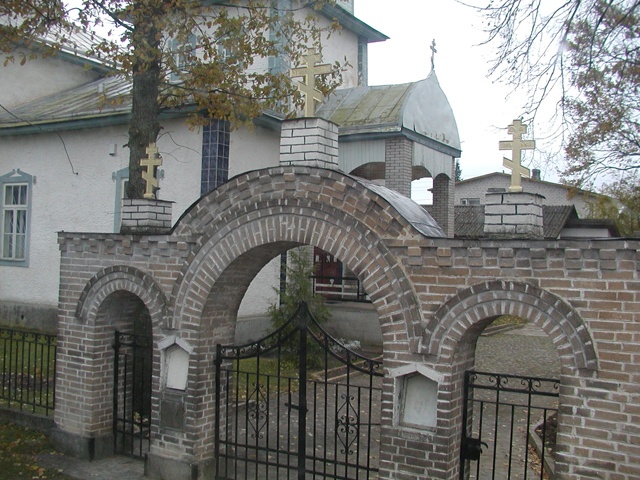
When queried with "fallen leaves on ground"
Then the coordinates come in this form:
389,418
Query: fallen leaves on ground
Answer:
19,447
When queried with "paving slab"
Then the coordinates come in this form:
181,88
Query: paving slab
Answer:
117,467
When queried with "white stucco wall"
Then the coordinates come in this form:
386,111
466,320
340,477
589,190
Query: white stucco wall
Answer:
338,46
342,47
62,200
253,149
39,78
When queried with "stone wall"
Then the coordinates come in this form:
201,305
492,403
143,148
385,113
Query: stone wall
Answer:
433,297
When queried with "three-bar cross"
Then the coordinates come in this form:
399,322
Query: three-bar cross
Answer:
516,129
153,160
307,86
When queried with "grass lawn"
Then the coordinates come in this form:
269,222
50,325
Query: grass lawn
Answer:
18,449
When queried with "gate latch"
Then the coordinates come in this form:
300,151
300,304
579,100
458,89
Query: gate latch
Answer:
472,448
299,408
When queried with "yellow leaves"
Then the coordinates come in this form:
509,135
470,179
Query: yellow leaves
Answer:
13,444
39,472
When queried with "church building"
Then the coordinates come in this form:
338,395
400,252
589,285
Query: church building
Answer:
64,159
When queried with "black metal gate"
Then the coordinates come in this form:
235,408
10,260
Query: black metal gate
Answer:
132,394
509,426
297,404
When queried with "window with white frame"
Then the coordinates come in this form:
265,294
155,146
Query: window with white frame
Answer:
121,177
182,53
14,229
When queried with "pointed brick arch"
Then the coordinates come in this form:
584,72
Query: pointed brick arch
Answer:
476,306
289,206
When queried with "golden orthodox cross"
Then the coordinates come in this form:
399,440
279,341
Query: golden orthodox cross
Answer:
516,129
152,161
307,86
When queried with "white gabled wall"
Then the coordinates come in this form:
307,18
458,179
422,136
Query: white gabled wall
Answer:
39,78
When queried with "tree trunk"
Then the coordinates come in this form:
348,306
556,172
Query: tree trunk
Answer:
145,111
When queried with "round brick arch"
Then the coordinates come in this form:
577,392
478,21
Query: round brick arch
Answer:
110,301
256,216
476,307
121,279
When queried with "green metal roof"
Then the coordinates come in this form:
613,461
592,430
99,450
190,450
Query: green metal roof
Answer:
106,97
421,108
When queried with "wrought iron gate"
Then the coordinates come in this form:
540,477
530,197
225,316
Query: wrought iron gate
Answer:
132,394
296,404
509,425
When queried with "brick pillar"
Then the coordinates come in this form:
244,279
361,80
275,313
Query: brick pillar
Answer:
145,216
443,210
513,215
398,163
309,141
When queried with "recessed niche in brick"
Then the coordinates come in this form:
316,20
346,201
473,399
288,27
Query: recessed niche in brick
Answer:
416,394
175,363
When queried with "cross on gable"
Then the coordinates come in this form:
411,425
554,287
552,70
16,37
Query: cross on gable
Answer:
153,160
307,86
516,129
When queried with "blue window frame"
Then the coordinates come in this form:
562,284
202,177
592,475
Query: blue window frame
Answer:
215,155
15,188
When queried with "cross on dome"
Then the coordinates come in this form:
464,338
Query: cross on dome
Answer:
433,54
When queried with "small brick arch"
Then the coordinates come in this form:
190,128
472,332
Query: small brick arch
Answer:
473,307
121,278
288,206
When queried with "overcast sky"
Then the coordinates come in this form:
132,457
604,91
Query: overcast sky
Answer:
480,105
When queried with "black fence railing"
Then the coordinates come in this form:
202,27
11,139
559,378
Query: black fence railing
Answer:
346,289
27,370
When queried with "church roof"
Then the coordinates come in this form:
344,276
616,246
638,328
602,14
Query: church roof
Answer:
420,107
346,19
417,216
352,23
93,100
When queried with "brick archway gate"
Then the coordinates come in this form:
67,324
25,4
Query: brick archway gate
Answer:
431,294
204,266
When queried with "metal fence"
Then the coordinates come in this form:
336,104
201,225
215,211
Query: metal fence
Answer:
339,288
27,370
